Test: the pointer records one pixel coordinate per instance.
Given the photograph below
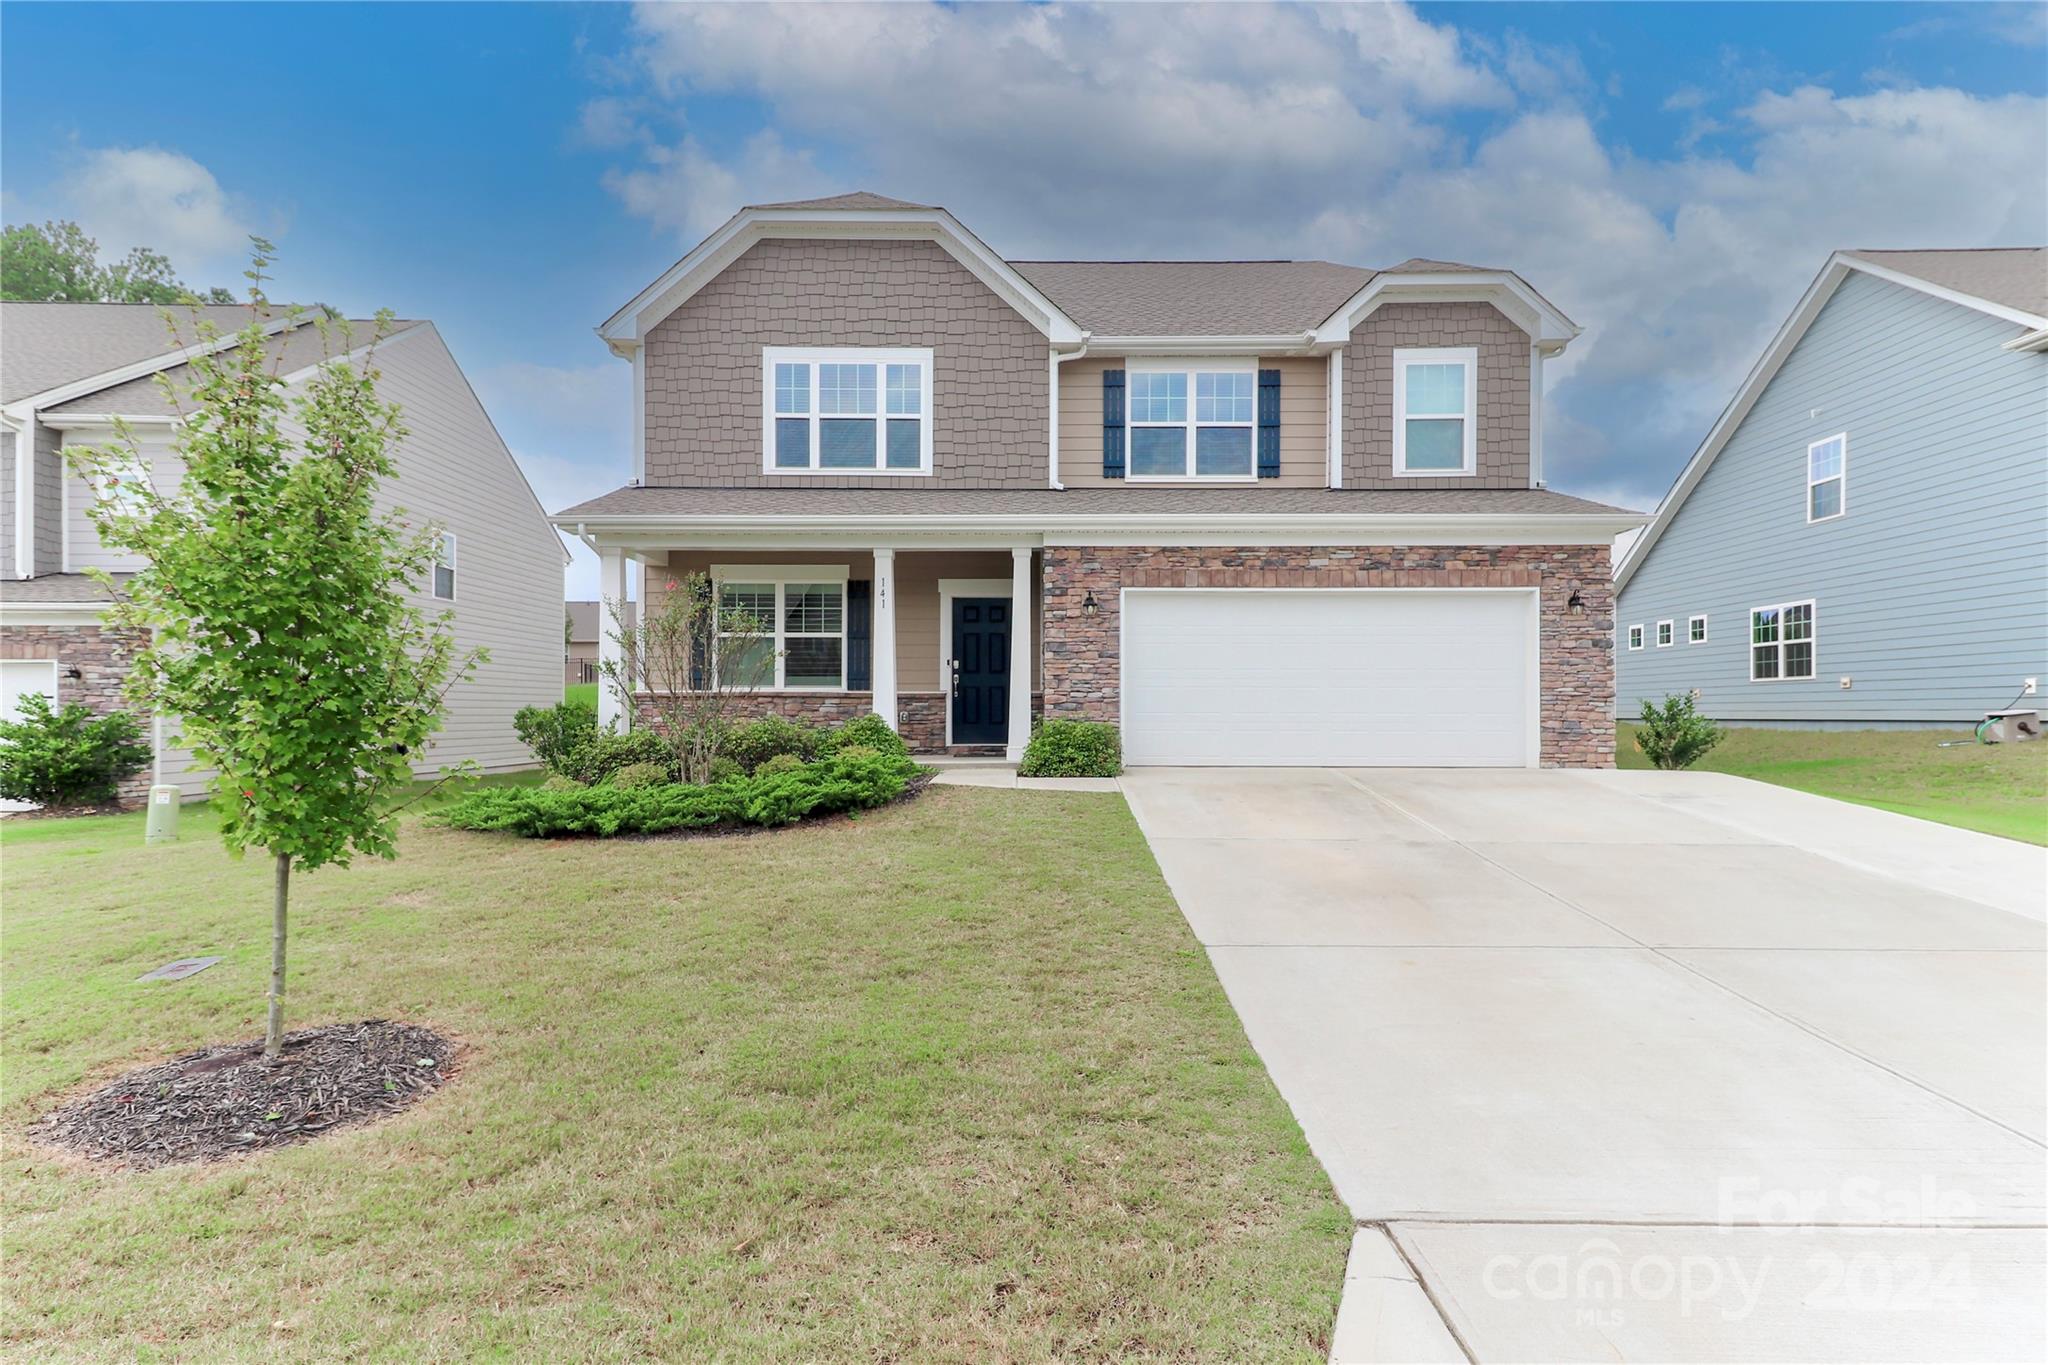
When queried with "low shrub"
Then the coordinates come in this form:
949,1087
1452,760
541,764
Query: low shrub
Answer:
756,742
724,769
871,732
69,757
827,786
1073,748
605,753
1675,734
555,732
640,775
780,763
558,783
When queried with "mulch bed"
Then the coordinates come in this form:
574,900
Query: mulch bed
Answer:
223,1101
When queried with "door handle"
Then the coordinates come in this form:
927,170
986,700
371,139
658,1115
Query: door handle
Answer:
953,671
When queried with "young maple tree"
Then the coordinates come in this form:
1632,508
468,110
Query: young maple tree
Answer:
276,603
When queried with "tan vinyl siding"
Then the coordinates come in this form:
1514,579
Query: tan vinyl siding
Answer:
82,549
918,668
8,504
1304,423
49,500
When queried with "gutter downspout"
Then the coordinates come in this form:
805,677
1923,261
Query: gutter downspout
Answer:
1053,362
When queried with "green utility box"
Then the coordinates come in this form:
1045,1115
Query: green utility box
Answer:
163,815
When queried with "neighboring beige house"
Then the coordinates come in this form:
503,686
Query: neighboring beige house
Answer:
68,370
1255,512
586,623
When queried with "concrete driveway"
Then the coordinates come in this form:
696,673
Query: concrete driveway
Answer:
1629,1066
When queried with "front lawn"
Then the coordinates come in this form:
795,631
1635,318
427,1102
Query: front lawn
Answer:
949,1082
1995,788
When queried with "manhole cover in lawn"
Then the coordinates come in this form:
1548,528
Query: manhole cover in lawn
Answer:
179,970
221,1101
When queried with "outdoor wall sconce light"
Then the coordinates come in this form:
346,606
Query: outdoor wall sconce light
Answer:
1088,603
1575,603
72,672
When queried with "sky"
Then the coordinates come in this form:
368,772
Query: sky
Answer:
1671,176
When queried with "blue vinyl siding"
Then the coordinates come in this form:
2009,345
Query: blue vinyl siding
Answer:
1932,592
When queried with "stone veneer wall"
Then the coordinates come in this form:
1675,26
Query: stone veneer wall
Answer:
1082,670
103,658
920,716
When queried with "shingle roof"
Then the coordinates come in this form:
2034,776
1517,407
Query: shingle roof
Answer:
2016,277
43,345
55,587
660,501
1195,298
858,199
290,350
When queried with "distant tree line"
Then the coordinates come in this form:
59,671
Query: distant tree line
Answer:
58,263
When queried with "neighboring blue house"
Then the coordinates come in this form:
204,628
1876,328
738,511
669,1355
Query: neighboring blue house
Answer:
1862,540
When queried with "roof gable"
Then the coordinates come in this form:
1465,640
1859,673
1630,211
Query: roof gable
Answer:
1773,359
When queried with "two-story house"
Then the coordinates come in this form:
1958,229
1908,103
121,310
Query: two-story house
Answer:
70,371
1862,538
1254,512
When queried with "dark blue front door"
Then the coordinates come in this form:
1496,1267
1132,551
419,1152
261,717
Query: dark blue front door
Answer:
981,670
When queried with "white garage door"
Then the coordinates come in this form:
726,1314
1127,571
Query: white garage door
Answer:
1329,676
19,677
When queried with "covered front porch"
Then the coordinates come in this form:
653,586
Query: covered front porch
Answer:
931,639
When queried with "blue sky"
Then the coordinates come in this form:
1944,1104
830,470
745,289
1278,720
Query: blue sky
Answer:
1671,175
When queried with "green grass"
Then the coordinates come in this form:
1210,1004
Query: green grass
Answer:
583,692
951,1082
1993,788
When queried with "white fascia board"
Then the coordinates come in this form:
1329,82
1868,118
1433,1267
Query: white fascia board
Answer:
918,532
54,613
1520,304
76,421
21,408
2033,321
1760,374
1292,343
630,325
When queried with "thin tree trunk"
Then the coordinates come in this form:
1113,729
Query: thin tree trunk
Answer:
273,1034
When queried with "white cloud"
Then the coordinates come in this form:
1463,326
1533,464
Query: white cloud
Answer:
1347,132
148,196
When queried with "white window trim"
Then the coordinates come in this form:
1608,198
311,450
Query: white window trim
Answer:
1635,638
1813,639
446,543
1667,634
56,676
1468,356
881,358
782,575
1701,622
1190,368
1841,478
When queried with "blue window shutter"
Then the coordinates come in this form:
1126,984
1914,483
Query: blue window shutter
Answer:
1112,424
860,640
1269,424
700,645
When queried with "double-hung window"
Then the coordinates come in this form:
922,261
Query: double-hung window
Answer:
444,567
1781,642
1436,411
1827,477
782,628
847,411
1193,422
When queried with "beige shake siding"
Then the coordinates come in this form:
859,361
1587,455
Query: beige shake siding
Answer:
1504,358
1304,422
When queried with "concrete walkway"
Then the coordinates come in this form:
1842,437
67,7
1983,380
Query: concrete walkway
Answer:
1632,1066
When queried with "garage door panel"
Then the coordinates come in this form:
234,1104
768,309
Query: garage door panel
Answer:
1314,677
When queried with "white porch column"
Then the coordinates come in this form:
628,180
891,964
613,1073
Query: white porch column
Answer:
1023,611
882,666
612,704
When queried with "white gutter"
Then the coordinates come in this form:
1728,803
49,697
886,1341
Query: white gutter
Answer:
1285,343
2032,341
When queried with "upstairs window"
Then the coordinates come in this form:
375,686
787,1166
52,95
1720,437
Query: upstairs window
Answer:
1781,642
1192,423
847,411
1635,637
1827,477
1436,405
444,567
